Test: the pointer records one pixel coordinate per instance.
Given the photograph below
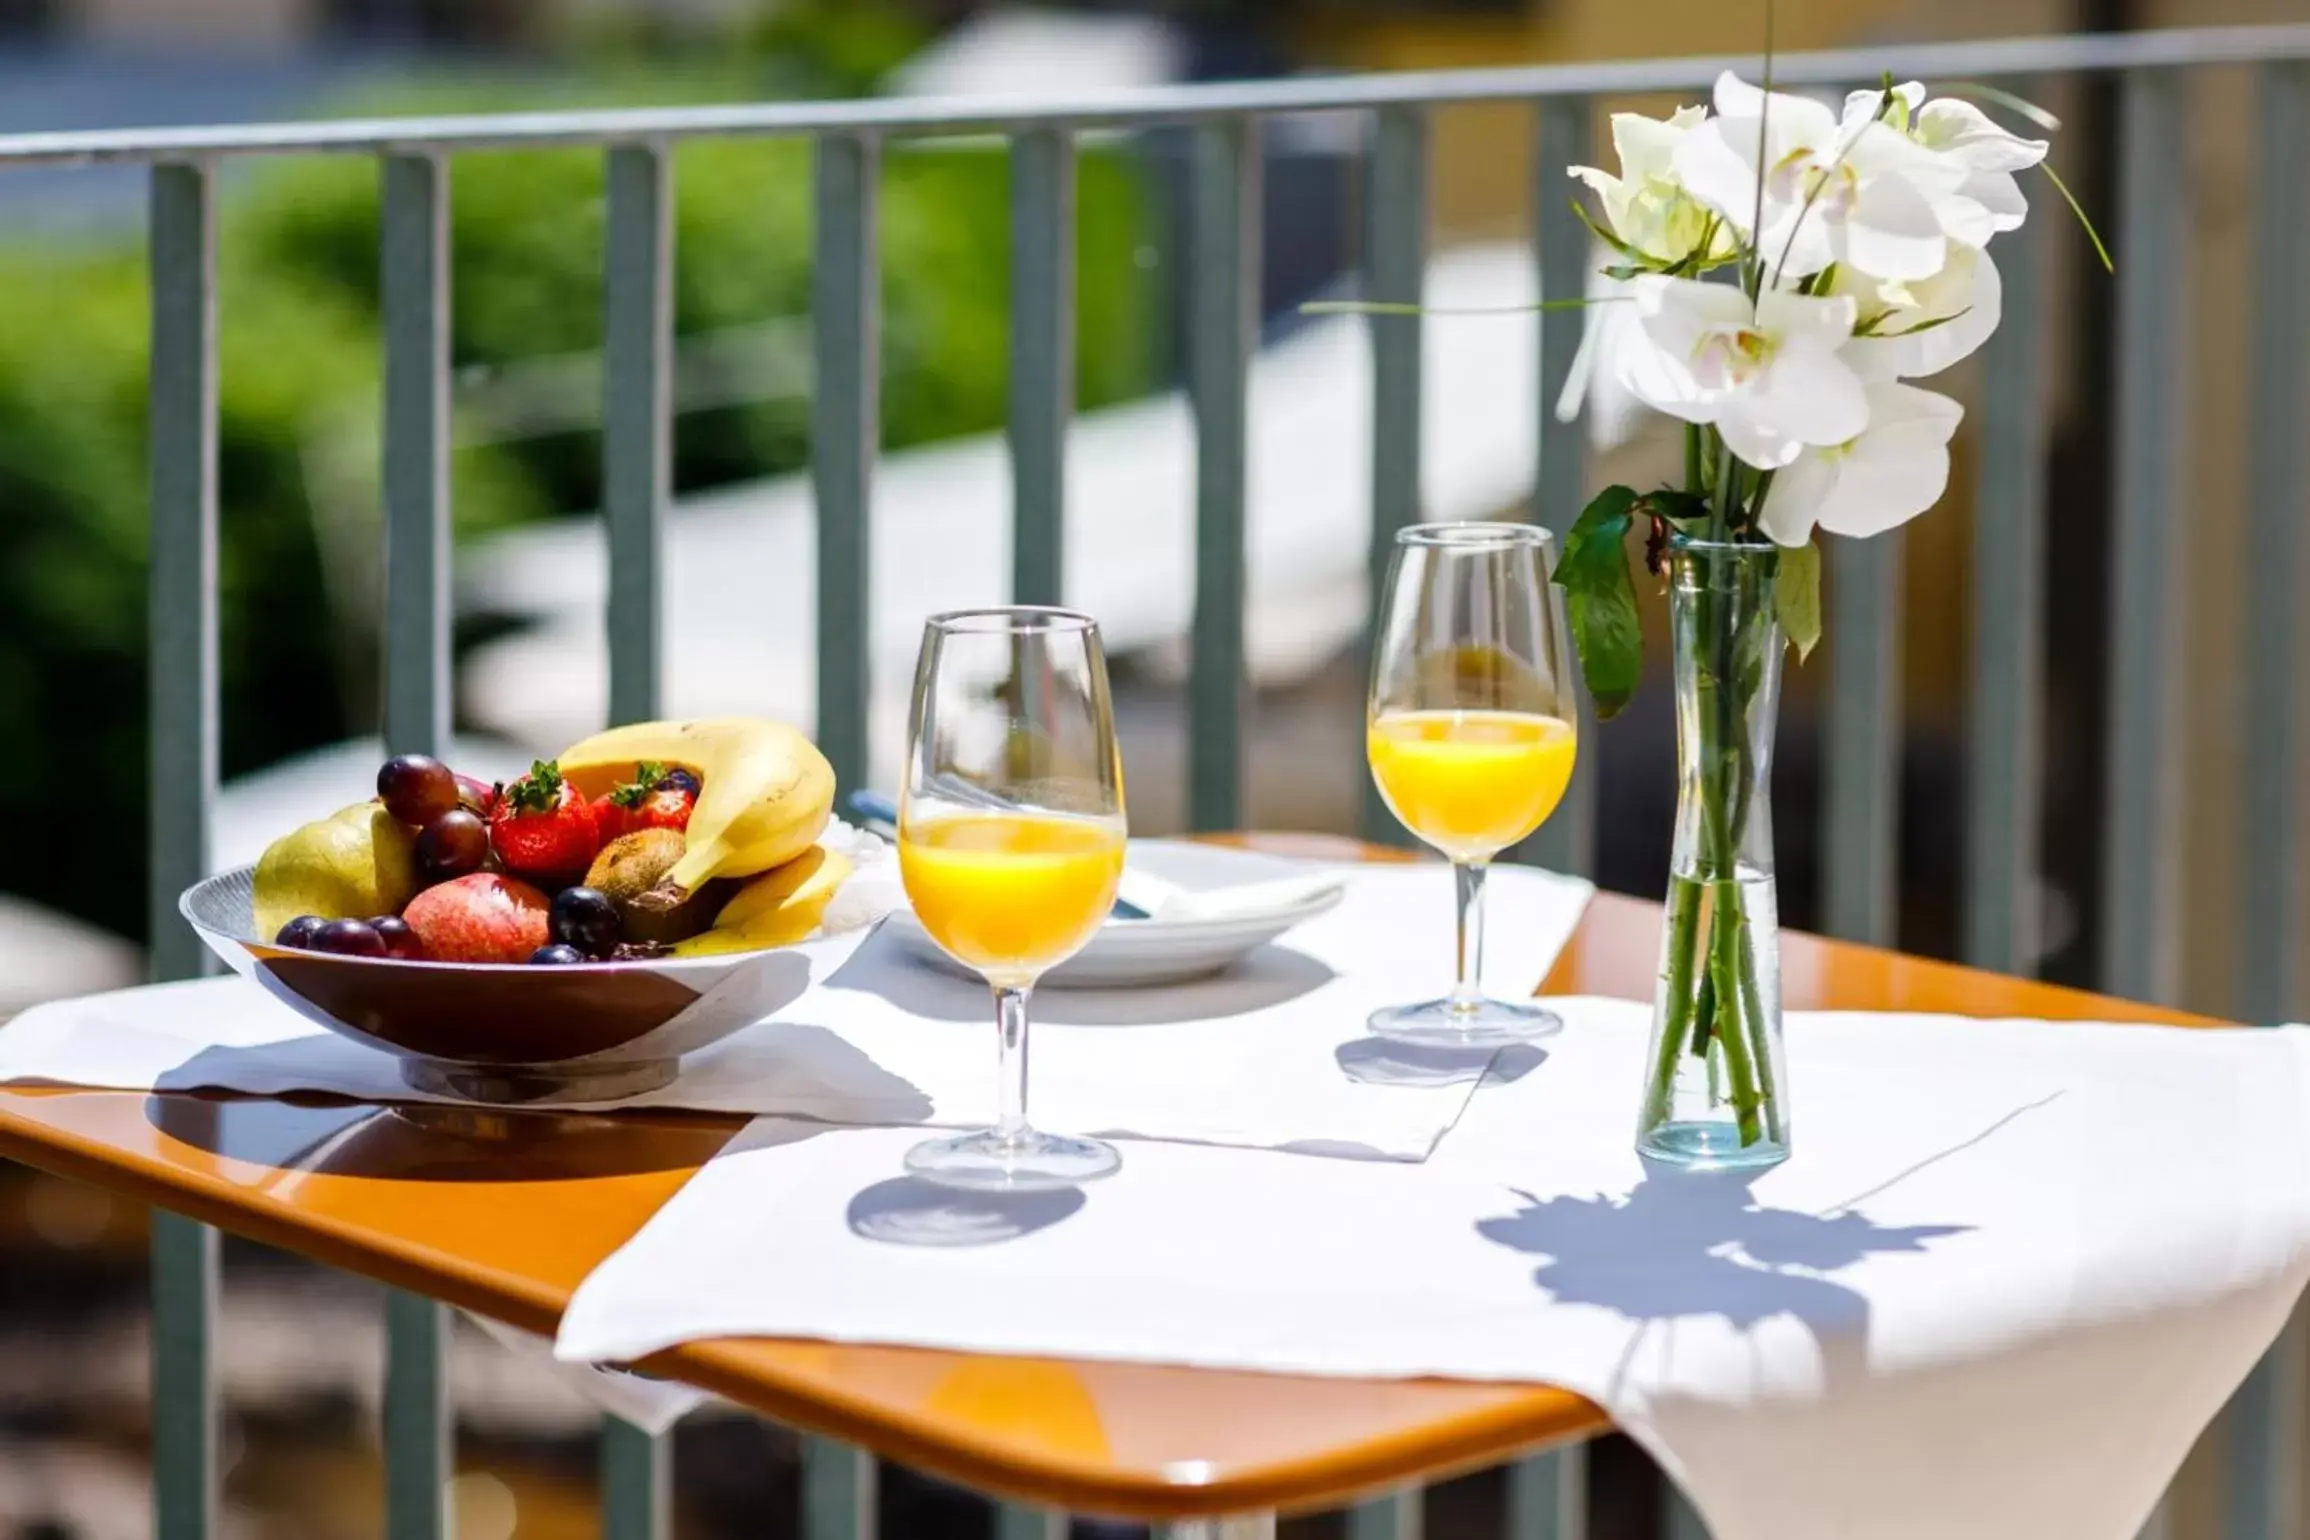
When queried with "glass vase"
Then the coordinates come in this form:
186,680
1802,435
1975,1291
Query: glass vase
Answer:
1716,1078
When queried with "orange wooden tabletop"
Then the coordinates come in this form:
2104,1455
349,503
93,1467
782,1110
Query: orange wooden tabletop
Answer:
506,1213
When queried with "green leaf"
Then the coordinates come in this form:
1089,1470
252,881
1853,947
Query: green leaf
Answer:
1677,507
1912,331
1797,596
1600,599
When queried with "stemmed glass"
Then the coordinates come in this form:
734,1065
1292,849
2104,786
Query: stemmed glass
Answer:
1471,734
1010,842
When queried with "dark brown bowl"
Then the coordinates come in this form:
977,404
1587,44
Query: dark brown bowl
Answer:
509,1033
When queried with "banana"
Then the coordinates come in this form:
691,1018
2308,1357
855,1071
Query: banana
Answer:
764,796
778,908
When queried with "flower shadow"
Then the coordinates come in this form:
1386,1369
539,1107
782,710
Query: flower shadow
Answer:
1697,1245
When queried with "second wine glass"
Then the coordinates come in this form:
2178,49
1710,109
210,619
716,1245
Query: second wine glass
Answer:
1472,732
1010,843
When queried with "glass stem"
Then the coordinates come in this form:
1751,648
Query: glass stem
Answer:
1011,1027
1468,988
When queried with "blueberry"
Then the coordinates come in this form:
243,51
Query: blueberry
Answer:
679,780
349,938
584,918
300,931
556,956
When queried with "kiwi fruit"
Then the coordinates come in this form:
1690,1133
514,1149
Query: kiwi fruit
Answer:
631,871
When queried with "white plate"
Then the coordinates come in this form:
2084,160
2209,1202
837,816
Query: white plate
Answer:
1135,952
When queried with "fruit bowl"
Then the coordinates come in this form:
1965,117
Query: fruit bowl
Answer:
511,1034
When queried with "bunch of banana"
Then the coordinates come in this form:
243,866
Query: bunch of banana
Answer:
765,792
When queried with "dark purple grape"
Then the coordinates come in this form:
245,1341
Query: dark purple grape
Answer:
416,788
300,931
585,918
400,941
349,938
679,780
456,844
556,956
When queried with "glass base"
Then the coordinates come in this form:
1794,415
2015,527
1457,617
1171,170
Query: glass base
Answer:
1710,1145
1030,1162
1482,1023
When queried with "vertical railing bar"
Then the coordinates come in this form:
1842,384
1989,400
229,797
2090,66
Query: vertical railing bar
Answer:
415,256
637,1482
1396,1516
1395,272
637,478
2139,941
417,1418
2265,1425
637,423
1860,815
1042,378
416,306
1682,1521
1548,1495
2276,468
1018,1521
845,429
838,1491
1567,842
184,690
1257,1526
1225,277
2004,752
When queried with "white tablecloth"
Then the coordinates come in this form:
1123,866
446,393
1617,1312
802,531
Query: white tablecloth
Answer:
1254,1056
2011,1271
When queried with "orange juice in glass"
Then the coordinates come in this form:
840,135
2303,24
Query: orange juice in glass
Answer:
1011,895
1010,843
1471,736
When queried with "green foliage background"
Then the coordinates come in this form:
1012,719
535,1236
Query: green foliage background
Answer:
299,361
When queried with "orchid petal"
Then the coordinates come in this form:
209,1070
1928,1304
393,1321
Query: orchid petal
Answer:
1971,138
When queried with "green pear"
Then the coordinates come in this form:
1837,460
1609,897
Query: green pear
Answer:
349,866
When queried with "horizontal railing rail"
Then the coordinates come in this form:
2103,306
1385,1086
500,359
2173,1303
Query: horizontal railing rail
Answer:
1862,763
2002,59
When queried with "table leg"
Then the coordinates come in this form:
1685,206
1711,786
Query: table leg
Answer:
1255,1526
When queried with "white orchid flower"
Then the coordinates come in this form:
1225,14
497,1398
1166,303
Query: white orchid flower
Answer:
1767,376
1986,199
1853,192
1909,330
1645,206
1884,476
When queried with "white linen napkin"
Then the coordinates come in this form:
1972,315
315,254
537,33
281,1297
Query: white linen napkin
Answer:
2011,1271
1252,1056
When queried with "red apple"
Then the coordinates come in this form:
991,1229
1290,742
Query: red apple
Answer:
482,918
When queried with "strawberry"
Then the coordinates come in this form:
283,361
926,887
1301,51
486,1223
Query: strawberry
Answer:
656,798
543,828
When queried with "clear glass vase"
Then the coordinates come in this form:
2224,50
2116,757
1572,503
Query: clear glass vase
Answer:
1716,1079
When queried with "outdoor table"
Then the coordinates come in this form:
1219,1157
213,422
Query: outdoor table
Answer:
505,1213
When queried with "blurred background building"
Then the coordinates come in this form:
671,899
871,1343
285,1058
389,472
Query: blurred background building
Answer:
302,589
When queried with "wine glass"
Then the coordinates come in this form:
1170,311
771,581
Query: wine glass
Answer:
1471,733
1010,842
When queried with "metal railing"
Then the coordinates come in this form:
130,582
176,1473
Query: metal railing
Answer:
2010,566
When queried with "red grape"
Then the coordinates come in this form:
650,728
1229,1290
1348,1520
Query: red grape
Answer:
300,931
349,938
400,941
455,844
416,788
